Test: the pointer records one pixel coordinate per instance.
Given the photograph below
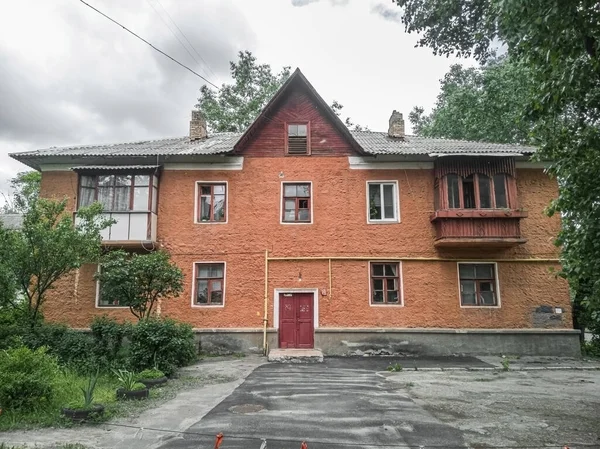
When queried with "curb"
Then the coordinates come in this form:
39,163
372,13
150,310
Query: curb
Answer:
498,369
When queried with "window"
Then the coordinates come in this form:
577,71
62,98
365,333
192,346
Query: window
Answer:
478,284
210,284
212,203
476,191
383,201
296,203
385,283
118,193
102,298
297,138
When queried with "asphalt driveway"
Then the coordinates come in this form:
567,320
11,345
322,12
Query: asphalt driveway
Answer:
339,402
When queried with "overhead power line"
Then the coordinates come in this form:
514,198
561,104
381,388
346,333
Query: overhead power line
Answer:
186,39
148,43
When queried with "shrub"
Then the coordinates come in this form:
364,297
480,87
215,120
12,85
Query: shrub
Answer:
149,374
27,378
161,343
128,380
592,348
108,336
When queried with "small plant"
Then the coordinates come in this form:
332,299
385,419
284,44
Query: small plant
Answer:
88,391
150,374
505,363
396,367
128,380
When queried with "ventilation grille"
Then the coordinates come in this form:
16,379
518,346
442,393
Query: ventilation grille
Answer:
297,145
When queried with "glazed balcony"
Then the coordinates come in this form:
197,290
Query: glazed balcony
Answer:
472,228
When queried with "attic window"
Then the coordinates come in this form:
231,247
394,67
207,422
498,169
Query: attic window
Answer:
297,138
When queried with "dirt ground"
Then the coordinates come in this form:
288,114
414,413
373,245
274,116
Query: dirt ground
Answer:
515,408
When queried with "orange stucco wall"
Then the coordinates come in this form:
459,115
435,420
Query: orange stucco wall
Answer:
339,228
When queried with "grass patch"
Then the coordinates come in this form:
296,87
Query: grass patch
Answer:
69,395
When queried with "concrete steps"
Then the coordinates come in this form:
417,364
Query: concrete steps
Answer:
295,356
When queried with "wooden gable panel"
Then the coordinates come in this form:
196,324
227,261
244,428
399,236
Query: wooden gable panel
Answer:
269,140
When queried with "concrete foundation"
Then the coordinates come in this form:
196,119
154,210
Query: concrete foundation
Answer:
349,341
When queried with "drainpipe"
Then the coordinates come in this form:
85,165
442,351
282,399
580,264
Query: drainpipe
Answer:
265,319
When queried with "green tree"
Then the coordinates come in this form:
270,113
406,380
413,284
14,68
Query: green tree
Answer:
559,43
139,281
481,104
26,189
48,246
235,106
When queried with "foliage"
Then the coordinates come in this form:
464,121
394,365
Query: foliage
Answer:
27,378
108,336
592,348
161,343
479,104
559,43
128,380
505,362
48,247
88,391
396,367
235,106
26,190
139,281
152,373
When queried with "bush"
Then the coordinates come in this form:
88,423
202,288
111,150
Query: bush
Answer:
161,343
27,378
592,348
108,336
149,374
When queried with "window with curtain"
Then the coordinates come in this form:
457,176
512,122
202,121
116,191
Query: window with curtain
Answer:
117,192
476,191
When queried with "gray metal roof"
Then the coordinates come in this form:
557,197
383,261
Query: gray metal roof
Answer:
375,143
380,143
11,221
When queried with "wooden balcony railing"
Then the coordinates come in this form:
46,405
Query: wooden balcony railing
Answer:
462,228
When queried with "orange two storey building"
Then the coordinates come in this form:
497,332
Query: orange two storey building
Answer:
299,233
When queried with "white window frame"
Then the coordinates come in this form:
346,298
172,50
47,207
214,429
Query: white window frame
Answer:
496,275
396,219
196,195
401,286
208,306
98,306
312,204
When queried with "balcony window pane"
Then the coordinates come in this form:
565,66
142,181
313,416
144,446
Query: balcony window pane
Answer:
106,180
142,180
86,196
485,194
140,198
122,197
154,199
123,180
500,191
375,201
88,181
453,192
105,197
138,226
468,192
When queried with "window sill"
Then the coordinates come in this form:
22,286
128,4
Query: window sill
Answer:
395,221
208,306
479,307
386,305
210,222
296,222
478,213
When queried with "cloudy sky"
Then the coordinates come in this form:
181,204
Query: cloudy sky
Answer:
69,76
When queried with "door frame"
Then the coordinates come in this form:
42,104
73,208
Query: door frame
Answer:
278,291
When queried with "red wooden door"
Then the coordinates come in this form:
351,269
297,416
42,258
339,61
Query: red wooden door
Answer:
296,326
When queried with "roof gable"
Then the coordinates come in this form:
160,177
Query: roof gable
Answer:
297,96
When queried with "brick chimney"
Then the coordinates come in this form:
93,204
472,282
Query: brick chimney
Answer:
396,128
198,126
